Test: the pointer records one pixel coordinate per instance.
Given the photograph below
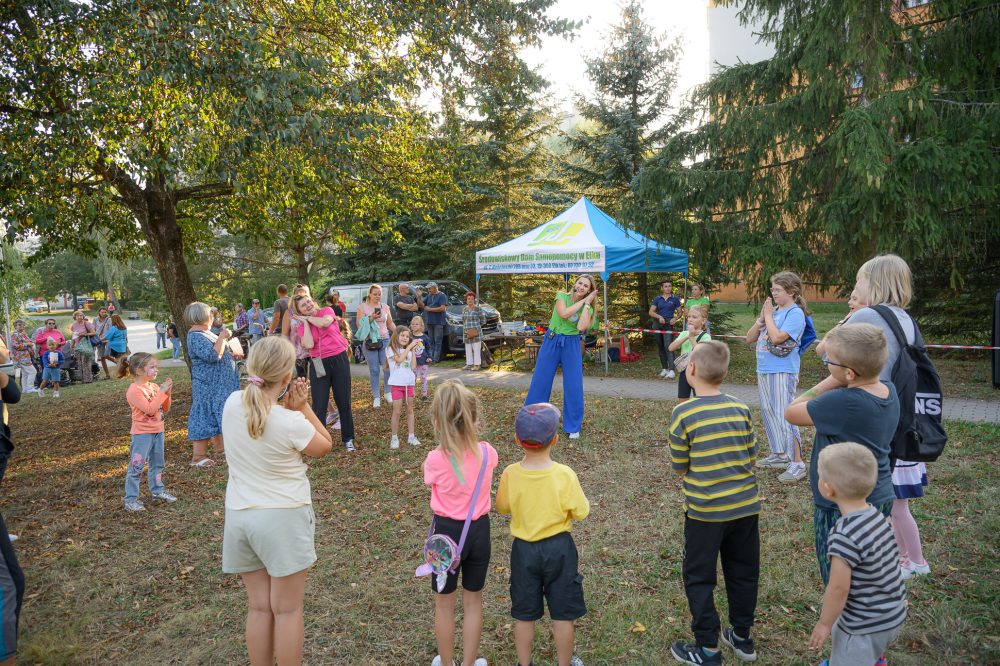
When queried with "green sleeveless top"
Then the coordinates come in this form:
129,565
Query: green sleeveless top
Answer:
567,326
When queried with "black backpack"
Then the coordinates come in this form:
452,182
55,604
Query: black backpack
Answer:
919,436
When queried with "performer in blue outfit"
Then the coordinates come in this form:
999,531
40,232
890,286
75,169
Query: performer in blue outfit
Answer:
572,315
213,378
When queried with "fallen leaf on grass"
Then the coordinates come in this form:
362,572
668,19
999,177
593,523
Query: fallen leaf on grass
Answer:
186,570
637,628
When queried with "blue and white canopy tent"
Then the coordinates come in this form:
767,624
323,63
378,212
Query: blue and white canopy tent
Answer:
582,239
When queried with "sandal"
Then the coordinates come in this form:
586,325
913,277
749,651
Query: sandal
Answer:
203,462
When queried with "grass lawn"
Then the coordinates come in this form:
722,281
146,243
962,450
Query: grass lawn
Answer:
105,586
964,374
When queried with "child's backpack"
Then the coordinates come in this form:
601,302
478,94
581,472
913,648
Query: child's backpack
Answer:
919,437
808,336
441,554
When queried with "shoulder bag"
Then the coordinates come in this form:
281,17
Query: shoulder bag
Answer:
441,554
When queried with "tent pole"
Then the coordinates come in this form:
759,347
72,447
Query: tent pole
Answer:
607,339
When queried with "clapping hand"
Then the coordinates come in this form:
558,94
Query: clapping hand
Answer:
768,309
225,333
298,394
589,300
167,385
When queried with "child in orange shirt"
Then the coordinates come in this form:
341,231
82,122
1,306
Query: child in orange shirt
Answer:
149,403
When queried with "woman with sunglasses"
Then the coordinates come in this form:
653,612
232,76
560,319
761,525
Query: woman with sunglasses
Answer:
318,332
50,331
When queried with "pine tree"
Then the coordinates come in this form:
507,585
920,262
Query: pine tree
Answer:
627,120
870,130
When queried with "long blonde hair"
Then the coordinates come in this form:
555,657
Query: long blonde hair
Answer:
455,415
889,280
271,360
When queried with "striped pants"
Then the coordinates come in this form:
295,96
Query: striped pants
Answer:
777,390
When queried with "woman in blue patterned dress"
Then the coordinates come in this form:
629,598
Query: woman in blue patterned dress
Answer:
213,378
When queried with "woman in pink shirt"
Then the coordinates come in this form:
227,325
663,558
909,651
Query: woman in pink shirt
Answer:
329,364
50,331
381,316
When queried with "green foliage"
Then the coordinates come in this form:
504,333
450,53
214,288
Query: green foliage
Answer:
17,280
870,130
66,272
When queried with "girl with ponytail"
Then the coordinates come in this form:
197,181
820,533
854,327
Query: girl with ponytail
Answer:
269,530
777,333
149,403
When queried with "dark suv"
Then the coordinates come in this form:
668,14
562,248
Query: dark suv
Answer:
351,295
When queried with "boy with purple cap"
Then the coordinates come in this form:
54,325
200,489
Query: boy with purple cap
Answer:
543,498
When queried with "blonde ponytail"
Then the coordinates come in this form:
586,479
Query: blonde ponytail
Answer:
271,360
455,415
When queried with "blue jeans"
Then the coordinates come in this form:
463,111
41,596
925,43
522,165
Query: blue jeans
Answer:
559,350
176,342
376,361
436,333
161,340
145,448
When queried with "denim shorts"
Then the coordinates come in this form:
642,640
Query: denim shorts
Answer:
548,568
279,540
51,375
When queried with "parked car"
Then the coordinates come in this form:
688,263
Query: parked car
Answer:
351,295
37,306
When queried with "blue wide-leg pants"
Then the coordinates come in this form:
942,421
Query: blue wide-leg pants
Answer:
559,350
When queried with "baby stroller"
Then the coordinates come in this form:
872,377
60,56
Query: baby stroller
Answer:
70,373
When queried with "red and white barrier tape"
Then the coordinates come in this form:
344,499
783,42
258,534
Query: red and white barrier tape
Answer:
741,337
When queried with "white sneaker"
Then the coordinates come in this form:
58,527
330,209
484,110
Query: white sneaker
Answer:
412,440
574,435
55,394
376,403
41,393
774,462
480,662
663,373
13,537
388,398
671,374
394,442
909,570
437,661
349,445
794,472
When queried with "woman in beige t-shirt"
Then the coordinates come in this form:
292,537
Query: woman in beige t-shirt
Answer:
269,529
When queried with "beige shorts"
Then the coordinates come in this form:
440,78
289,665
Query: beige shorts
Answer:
279,540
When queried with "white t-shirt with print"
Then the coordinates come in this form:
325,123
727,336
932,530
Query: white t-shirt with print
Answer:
266,473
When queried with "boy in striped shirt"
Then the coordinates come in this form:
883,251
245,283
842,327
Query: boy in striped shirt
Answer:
865,597
712,447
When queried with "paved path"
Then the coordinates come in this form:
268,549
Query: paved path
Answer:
958,409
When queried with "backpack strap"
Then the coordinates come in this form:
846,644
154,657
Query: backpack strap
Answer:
890,318
475,496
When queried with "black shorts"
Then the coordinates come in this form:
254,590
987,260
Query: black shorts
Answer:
548,568
684,390
475,552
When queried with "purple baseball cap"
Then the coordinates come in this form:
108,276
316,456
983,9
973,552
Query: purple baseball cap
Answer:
537,424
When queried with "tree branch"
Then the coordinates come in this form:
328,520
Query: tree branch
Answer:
207,191
12,109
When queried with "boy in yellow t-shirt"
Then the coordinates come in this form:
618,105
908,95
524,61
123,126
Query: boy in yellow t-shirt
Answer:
543,499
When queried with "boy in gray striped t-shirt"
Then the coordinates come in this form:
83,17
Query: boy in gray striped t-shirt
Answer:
865,596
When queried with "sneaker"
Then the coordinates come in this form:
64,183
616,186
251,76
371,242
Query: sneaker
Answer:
336,426
794,472
481,661
574,661
774,461
376,403
164,496
13,537
689,653
424,398
134,505
671,374
663,373
436,661
332,417
743,647
388,398
41,393
412,440
574,435
394,442
909,570
349,445
55,394
468,367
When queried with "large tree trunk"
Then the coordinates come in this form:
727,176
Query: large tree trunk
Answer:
166,245
301,265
